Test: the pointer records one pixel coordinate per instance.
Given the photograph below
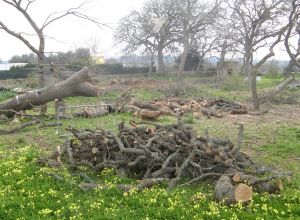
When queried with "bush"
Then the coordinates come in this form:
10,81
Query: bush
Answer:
235,82
17,72
118,68
132,70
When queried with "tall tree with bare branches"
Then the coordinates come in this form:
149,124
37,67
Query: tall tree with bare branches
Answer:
23,8
152,30
257,24
293,26
134,35
194,16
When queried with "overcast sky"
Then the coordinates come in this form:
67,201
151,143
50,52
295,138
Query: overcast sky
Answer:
69,33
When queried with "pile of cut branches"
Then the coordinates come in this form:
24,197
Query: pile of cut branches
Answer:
169,153
178,106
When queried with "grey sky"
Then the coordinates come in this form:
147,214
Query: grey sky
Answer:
70,32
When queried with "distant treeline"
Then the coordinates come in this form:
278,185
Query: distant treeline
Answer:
118,68
17,72
22,72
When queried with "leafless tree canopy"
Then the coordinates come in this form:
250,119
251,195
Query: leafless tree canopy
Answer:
205,27
242,27
23,8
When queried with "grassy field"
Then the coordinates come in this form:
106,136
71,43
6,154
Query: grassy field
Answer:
29,191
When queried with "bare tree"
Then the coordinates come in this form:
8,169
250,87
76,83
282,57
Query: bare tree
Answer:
194,16
134,35
257,24
293,51
23,6
152,30
205,42
225,40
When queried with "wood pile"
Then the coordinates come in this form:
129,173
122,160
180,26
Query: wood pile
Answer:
170,153
178,106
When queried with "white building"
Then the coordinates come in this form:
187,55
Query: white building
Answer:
7,66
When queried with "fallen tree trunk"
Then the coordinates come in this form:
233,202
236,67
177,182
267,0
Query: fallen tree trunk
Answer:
279,88
77,85
226,192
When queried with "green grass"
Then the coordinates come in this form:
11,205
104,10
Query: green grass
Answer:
145,94
4,95
268,82
27,191
287,143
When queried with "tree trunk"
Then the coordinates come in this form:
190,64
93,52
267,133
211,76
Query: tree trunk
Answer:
151,65
222,59
186,48
182,62
200,63
247,66
289,69
41,59
76,85
255,98
160,59
41,71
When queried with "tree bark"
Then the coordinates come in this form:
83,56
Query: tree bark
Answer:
76,85
160,58
182,62
255,98
151,65
200,65
247,66
222,59
186,48
41,59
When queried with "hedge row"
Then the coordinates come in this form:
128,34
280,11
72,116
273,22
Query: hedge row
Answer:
118,68
20,72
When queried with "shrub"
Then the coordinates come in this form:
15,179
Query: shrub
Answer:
235,82
118,68
17,72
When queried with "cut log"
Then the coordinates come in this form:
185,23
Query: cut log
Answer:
244,178
237,178
77,85
243,193
239,112
147,114
224,190
154,107
146,105
269,187
259,185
